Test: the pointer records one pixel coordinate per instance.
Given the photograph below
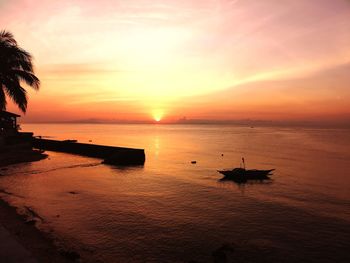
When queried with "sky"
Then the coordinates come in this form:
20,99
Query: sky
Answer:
167,60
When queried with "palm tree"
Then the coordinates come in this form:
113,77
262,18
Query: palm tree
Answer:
15,67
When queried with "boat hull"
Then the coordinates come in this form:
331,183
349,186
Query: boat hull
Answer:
242,175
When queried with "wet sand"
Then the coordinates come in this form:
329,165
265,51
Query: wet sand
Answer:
40,246
20,240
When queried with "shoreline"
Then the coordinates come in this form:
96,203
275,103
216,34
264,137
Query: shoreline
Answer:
17,157
21,228
39,244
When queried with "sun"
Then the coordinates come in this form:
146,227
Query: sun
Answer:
157,115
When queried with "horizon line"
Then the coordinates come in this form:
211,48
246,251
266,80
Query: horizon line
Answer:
242,122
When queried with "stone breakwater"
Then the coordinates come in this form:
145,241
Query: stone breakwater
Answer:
109,154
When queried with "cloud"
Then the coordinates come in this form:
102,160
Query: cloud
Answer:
167,50
77,69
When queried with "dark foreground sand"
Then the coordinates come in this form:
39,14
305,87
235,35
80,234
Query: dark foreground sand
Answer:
19,238
40,246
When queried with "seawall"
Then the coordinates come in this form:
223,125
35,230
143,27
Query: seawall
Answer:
110,154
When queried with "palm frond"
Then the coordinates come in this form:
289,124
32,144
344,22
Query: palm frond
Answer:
15,57
8,37
17,94
15,67
29,78
2,99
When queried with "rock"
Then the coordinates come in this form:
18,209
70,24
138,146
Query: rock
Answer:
31,222
220,254
70,254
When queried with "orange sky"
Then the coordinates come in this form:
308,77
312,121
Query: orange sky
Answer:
209,59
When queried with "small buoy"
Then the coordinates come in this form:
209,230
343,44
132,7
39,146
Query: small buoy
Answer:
194,162
222,154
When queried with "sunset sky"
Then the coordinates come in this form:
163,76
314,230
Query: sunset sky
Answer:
141,60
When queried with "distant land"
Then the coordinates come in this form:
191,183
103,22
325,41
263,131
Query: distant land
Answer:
241,122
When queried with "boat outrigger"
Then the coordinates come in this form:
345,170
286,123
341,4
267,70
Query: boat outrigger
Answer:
242,175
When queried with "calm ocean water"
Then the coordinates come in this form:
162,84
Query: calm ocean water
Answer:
170,210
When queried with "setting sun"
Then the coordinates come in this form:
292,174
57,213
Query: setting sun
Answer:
157,115
185,58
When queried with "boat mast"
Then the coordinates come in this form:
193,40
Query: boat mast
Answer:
243,163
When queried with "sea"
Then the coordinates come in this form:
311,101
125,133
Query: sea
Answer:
173,210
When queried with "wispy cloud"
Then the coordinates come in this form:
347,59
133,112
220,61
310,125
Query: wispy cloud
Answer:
77,69
163,50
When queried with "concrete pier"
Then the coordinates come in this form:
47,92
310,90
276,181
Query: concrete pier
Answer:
110,154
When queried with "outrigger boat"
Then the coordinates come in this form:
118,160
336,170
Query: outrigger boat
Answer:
242,175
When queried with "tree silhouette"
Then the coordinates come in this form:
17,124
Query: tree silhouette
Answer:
16,67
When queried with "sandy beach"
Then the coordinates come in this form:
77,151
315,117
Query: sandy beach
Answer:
21,240
29,241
